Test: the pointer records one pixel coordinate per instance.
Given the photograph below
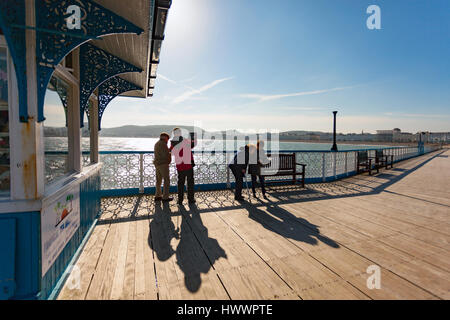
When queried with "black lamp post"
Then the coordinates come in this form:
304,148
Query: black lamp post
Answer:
334,147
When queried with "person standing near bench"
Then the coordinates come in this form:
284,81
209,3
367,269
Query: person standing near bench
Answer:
162,159
239,167
184,160
254,169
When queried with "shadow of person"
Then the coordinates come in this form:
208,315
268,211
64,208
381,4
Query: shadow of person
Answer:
212,247
162,231
194,243
286,224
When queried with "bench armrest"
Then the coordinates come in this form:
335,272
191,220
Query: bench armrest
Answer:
300,164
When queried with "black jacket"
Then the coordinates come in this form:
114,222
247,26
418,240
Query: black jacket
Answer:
240,160
261,160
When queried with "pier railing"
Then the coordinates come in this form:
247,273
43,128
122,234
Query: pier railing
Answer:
133,172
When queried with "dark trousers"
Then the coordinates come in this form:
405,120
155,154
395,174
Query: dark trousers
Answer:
238,176
261,182
182,176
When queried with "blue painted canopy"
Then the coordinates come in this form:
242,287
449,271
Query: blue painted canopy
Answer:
110,89
96,67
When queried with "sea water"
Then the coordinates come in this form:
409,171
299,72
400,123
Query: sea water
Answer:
147,144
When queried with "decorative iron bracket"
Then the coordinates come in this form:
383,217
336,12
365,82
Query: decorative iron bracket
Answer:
110,89
12,15
97,66
54,40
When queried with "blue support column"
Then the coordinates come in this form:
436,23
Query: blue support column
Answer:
12,22
55,40
110,89
97,66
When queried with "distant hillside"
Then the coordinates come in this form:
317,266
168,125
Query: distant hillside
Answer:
62,131
152,131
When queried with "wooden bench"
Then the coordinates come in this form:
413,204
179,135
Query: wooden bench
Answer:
363,161
367,163
382,160
283,165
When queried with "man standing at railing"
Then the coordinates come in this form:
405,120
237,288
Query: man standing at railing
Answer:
161,161
184,159
238,167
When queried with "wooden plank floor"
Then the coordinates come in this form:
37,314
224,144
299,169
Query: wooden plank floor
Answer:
313,243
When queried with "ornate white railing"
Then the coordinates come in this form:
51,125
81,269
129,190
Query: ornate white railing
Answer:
134,170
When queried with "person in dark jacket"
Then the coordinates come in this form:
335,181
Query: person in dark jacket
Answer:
254,169
162,159
239,167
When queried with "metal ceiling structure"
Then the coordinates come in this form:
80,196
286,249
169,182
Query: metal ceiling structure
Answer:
132,34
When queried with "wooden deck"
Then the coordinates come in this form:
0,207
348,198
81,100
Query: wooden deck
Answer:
313,243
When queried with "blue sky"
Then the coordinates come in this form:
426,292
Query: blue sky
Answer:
286,64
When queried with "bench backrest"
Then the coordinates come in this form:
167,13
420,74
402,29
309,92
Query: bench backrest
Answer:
287,161
379,153
281,161
362,156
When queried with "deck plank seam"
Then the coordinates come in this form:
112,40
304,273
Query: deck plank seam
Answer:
97,262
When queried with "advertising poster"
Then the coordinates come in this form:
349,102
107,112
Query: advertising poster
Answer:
59,221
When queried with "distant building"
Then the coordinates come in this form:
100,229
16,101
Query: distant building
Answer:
385,135
395,135
438,137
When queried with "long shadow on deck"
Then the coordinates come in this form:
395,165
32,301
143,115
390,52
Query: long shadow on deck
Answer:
193,240
281,221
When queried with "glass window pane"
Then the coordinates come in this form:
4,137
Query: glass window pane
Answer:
4,126
55,131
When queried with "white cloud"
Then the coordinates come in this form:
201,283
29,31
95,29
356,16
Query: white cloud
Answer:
188,94
263,97
166,78
295,108
178,83
188,79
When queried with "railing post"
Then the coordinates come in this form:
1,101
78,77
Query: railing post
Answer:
346,163
323,167
334,164
141,173
228,171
